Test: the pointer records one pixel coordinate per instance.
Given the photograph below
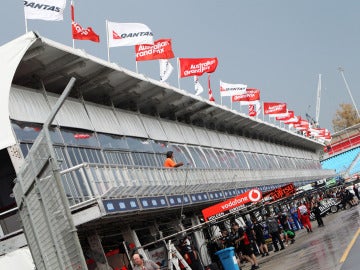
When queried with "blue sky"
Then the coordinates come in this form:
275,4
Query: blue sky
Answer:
279,46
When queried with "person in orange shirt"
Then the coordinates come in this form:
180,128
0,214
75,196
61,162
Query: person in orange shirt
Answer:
170,162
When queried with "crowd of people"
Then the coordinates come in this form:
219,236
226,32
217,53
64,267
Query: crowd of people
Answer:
280,225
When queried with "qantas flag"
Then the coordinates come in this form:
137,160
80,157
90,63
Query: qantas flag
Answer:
129,34
80,33
274,108
161,49
48,10
197,66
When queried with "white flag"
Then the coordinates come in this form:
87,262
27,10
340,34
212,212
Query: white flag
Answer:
227,89
128,34
165,69
48,10
198,88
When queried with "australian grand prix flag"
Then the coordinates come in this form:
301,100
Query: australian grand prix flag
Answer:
197,66
48,10
161,49
128,34
274,108
231,205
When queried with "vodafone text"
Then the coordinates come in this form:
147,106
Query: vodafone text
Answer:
235,202
41,6
199,68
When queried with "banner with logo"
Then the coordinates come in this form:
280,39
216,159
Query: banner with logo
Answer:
196,66
81,33
250,97
279,193
274,108
231,205
48,10
161,49
128,34
230,89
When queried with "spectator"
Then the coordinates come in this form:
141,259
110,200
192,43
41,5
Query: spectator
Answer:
170,161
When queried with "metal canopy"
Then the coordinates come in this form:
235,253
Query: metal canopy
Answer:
106,83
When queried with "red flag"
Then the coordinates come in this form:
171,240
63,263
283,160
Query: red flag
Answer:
252,111
286,116
248,97
161,49
274,108
80,33
197,66
211,97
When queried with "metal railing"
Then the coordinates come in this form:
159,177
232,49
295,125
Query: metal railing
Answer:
88,181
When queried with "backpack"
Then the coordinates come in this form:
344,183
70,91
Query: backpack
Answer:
273,225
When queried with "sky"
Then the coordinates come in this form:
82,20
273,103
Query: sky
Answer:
279,47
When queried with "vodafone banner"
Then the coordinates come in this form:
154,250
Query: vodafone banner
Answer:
160,50
248,97
197,66
230,89
231,205
274,108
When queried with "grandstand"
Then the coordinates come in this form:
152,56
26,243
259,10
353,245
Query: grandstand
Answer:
342,154
93,177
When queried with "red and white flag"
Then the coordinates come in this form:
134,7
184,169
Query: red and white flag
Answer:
196,66
302,125
251,96
165,69
211,97
293,120
198,87
286,116
81,33
230,89
48,10
128,34
161,49
274,108
254,108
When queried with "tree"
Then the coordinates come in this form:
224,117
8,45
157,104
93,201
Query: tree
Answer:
345,116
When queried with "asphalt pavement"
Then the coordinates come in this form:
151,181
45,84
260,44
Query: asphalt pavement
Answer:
336,246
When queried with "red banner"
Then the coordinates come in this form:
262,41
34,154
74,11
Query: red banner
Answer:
161,49
279,193
231,205
197,66
251,94
274,108
84,34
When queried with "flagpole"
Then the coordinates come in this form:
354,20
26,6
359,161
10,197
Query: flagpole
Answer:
72,19
136,66
178,68
107,39
26,25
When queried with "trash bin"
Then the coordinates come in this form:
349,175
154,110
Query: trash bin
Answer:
228,259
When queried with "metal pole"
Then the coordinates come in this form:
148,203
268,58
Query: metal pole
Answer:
341,70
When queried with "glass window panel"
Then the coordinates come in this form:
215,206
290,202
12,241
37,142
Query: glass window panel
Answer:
137,144
25,131
223,159
242,160
202,156
211,158
251,161
199,163
80,138
181,154
25,148
108,141
232,159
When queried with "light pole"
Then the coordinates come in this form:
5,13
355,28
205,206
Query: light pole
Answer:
341,70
